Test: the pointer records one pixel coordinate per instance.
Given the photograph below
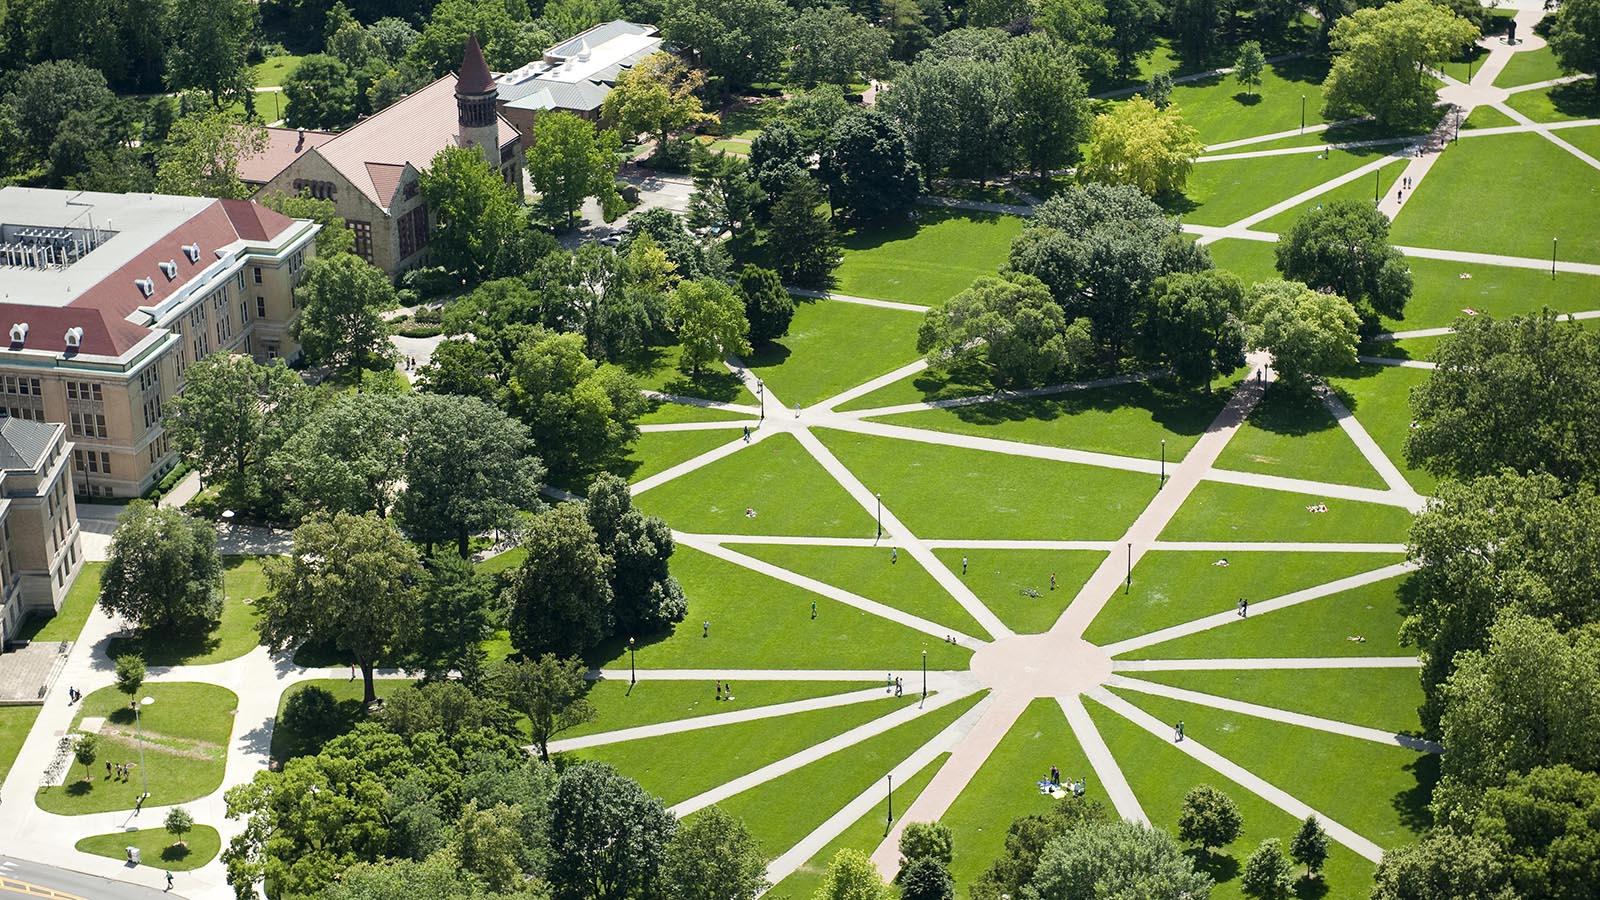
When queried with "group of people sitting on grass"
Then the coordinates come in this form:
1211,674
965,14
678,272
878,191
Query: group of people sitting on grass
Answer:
1317,508
1052,785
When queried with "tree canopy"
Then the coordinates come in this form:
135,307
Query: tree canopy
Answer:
163,573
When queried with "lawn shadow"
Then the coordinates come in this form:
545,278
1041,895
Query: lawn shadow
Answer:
174,853
1311,70
168,649
1291,413
877,234
650,362
613,651
1412,803
1176,411
287,741
1577,99
1244,98
1308,888
1220,866
80,788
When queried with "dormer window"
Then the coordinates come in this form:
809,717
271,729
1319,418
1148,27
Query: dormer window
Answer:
146,286
192,251
74,338
170,269
19,333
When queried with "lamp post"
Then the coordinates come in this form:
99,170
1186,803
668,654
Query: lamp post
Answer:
1376,196
761,393
633,671
924,678
1163,462
880,515
1302,113
1129,583
1553,242
891,798
138,724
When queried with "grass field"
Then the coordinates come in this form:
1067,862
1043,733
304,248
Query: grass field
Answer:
656,451
157,848
833,345
863,836
1252,261
15,724
235,633
760,622
1127,420
873,572
1160,775
275,70
1220,193
185,734
1380,398
1555,192
1378,790
656,369
68,622
783,811
1006,787
676,767
1586,138
1440,295
618,705
954,493
1486,117
928,261
999,578
1376,698
789,491
663,413
1295,436
1170,587
1562,103
1230,512
1222,109
1321,627
1529,67
1360,189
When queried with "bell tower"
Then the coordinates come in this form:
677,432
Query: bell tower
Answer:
475,98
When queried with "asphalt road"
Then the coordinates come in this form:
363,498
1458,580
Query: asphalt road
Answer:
26,879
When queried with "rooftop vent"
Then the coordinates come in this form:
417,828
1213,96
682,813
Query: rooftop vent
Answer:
169,269
146,286
74,337
192,251
19,332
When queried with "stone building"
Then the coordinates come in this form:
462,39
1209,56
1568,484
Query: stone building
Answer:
370,170
107,298
40,553
575,75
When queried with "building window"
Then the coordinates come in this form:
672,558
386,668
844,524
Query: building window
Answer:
256,274
321,190
261,307
414,232
363,233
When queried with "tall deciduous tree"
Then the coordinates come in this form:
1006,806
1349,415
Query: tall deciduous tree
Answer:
569,162
767,306
726,194
1309,333
334,237
738,41
1248,66
1116,859
713,856
320,94
609,838
1575,37
1209,818
1443,864
1012,324
1051,103
1137,144
457,613
340,326
867,167
233,413
834,45
1546,823
351,582
201,155
507,42
561,594
482,232
580,415
660,95
852,876
1195,326
163,572
1343,247
708,318
1382,56
468,468
1133,31
348,456
210,45
550,691
647,597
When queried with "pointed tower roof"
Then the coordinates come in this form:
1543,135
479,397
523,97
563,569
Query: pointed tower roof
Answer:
475,77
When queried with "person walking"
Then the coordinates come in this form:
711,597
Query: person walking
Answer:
963,565
1244,605
894,555
705,628
169,881
1052,581
813,610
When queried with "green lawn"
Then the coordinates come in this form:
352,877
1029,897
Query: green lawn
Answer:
737,148
1006,787
275,70
1295,436
1359,189
68,622
234,635
953,493
657,451
1419,348
747,119
1486,117
1160,775
1529,67
676,767
1222,109
1549,194
783,811
1562,103
185,731
288,743
618,705
1379,790
1000,577
157,848
1586,138
761,622
1380,397
789,491
1231,512
1440,295
1220,193
877,574
1252,261
663,413
1128,419
1171,587
15,723
1376,698
503,562
964,380
656,369
1321,627
863,836
927,261
831,346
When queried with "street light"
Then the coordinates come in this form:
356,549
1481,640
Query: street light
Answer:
761,392
1553,258
138,724
1163,462
1129,583
891,798
633,671
1375,186
924,678
1302,113
880,515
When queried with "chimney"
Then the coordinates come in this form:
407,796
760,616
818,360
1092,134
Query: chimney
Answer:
300,140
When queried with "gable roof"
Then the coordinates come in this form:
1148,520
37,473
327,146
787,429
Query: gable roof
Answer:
411,130
284,146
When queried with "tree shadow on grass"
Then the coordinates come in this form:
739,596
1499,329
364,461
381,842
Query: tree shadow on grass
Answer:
648,363
877,234
613,651
168,649
1307,888
1291,413
1176,411
1220,866
1412,803
288,742
79,788
1245,98
1309,70
174,853
1578,99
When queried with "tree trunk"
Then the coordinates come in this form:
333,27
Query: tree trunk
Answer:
369,694
461,542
